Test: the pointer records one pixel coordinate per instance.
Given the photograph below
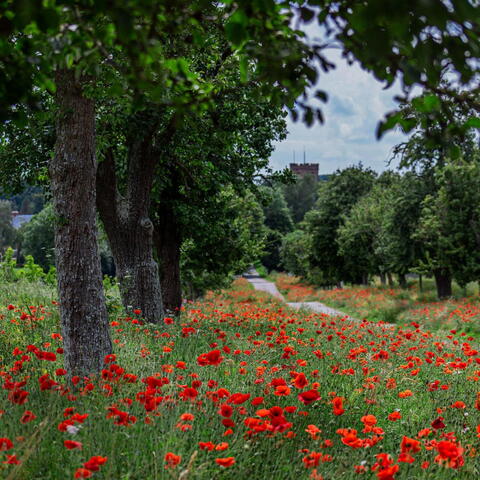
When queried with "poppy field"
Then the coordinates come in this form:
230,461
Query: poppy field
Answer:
239,386
395,305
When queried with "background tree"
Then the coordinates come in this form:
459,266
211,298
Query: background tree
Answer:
450,226
279,222
38,238
229,238
360,236
336,197
295,252
398,244
301,196
7,232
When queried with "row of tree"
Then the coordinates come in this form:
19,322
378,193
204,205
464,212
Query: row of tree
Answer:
425,218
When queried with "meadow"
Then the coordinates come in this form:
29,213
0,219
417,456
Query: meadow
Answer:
394,305
238,387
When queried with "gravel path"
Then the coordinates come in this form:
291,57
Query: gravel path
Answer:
260,283
317,307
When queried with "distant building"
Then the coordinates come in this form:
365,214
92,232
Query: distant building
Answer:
304,169
18,220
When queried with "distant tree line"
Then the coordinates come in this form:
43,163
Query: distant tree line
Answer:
423,218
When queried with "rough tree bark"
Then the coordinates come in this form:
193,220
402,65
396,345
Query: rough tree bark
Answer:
167,240
73,168
128,226
443,281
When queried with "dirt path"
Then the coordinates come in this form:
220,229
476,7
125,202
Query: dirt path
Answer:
260,283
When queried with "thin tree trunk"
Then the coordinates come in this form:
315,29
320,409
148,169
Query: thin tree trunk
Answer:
167,240
383,278
420,282
390,280
402,280
443,282
83,312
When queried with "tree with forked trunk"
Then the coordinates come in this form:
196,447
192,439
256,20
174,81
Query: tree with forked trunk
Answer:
126,216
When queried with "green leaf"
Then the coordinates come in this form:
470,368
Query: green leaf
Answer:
243,65
472,122
390,122
431,103
236,28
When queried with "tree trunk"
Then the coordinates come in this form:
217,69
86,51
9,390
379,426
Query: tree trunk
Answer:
383,279
83,312
137,271
129,228
402,280
167,240
420,282
390,280
443,282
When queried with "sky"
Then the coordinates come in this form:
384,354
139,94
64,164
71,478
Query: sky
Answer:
357,102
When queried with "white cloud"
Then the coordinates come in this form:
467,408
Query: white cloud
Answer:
357,102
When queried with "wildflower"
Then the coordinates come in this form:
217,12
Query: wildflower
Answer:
394,416
225,410
172,460
28,416
449,453
410,445
300,381
70,444
309,396
187,417
82,473
313,431
211,358
438,424
337,403
95,463
12,460
225,462
5,444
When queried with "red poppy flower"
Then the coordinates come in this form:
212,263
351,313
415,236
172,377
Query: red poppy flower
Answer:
309,396
28,416
5,444
300,381
70,444
12,460
410,445
337,403
82,473
438,424
95,463
225,462
172,460
225,410
394,416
